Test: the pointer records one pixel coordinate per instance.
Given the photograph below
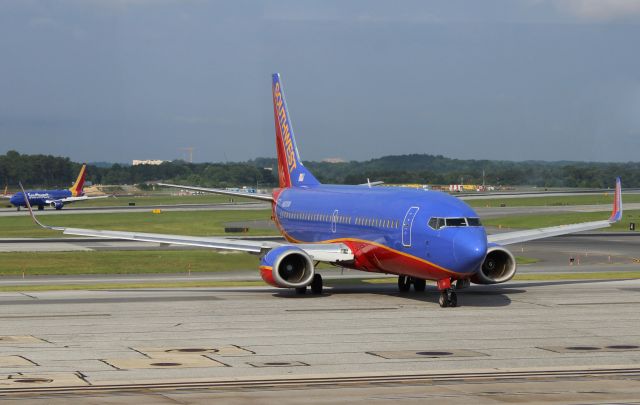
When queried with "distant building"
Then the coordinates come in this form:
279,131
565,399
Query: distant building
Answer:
148,162
334,160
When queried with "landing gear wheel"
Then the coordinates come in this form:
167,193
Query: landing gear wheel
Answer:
448,298
316,284
404,283
419,284
443,300
40,207
301,290
453,299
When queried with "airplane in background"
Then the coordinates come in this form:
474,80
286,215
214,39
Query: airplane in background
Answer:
53,198
416,234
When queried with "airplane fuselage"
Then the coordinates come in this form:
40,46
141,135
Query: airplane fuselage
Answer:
39,198
387,228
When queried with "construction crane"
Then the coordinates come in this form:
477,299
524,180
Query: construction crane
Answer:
190,150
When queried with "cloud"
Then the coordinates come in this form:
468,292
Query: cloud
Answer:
600,10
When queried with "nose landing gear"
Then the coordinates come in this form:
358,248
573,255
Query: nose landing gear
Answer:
448,297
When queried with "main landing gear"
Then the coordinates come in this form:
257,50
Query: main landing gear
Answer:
316,286
405,282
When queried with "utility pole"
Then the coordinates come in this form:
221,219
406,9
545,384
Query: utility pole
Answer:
190,150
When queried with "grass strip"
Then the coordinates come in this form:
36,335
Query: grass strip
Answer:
605,275
546,220
194,223
133,262
123,262
593,199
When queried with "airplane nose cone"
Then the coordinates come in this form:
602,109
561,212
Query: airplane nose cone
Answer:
469,249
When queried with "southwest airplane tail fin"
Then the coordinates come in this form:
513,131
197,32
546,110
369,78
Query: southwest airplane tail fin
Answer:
76,189
291,172
616,214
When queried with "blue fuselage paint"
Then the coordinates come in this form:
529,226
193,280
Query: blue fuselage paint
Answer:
396,218
38,198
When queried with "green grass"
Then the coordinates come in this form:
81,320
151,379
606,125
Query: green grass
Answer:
595,199
545,220
196,223
126,286
526,260
605,275
123,262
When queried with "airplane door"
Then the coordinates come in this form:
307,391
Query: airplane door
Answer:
334,219
407,223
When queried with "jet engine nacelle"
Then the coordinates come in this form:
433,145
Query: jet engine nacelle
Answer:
499,266
56,204
287,267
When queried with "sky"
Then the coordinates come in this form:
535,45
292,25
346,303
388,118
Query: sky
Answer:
116,80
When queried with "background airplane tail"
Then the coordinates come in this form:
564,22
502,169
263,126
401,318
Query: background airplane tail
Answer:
76,189
616,214
291,171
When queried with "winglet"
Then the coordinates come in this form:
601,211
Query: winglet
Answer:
33,216
616,214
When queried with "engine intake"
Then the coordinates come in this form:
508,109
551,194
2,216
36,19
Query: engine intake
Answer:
56,204
499,266
287,266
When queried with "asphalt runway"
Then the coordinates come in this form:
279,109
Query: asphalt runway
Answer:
553,342
546,342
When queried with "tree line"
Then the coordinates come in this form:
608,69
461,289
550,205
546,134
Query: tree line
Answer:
51,171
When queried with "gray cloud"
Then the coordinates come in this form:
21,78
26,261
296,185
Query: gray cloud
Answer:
102,80
600,10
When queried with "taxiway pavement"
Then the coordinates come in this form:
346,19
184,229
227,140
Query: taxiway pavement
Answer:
93,338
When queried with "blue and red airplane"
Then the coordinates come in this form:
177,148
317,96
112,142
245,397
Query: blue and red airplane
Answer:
53,198
418,235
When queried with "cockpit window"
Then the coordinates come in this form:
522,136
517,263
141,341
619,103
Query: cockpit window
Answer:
433,223
474,222
437,222
455,222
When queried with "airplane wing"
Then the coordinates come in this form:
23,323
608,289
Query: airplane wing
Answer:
255,196
508,238
74,199
323,252
371,183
